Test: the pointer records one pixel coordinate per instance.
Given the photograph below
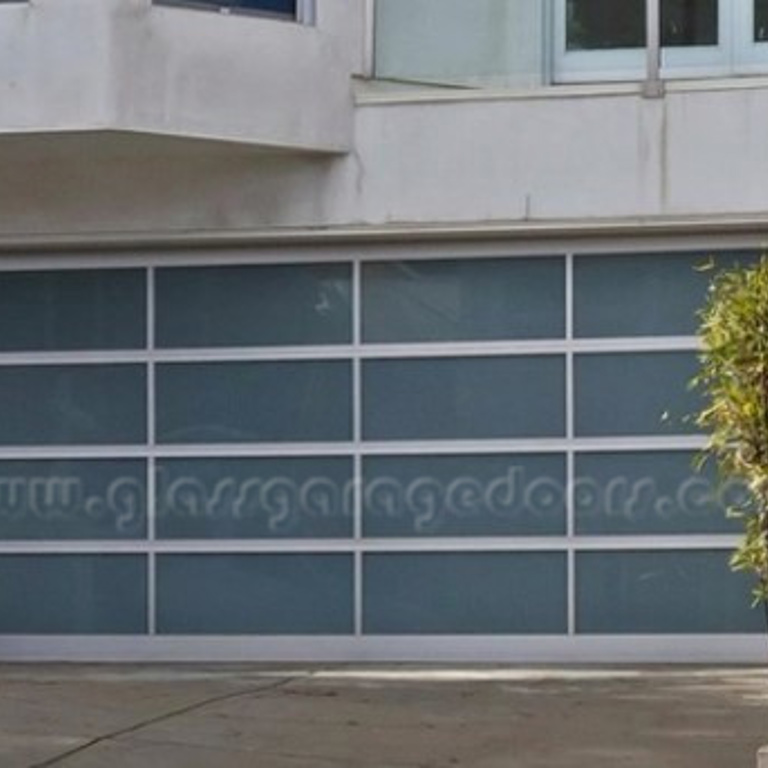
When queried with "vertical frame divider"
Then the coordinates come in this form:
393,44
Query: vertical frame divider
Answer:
151,468
570,433
357,438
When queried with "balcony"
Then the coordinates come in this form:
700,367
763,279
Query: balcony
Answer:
267,74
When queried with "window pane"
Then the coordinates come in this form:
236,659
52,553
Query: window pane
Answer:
486,495
630,393
282,7
255,594
254,402
479,397
662,592
72,404
605,24
689,22
643,294
73,594
761,21
275,6
72,499
254,498
642,493
598,24
72,309
467,300
254,306
465,593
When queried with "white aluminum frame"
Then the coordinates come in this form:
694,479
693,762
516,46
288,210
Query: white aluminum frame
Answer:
675,62
520,648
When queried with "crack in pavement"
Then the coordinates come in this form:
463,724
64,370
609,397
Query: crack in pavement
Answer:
61,757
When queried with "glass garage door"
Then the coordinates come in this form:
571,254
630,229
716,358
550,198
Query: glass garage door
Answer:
376,454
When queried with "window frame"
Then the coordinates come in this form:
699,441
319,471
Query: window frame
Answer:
305,10
735,53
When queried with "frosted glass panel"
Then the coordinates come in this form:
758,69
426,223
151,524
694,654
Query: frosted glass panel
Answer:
254,305
73,594
465,593
72,309
486,495
63,499
264,402
480,397
491,42
76,404
643,294
630,393
662,592
658,492
467,300
254,498
255,594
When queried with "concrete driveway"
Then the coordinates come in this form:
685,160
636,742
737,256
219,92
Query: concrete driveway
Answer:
380,717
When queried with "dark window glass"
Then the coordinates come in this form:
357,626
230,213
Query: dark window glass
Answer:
254,402
670,592
244,306
639,393
484,495
72,404
478,397
463,300
281,7
254,498
73,594
255,594
463,593
644,294
761,21
607,24
73,499
72,310
651,493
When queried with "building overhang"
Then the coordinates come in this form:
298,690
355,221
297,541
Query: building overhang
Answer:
135,67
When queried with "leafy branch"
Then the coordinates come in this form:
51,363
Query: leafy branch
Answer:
734,380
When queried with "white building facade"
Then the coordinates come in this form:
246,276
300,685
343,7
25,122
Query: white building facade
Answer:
361,329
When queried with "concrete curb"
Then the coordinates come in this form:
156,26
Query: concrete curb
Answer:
762,757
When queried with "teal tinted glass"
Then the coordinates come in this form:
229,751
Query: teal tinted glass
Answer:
646,294
72,310
639,393
255,594
254,498
485,495
254,305
464,593
73,594
478,397
463,300
254,402
63,499
72,404
670,592
657,492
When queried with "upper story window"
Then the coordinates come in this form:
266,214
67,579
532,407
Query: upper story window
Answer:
605,40
529,43
282,8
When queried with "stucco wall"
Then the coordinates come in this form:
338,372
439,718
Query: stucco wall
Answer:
698,151
132,65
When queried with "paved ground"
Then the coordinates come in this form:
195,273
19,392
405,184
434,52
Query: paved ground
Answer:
380,717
